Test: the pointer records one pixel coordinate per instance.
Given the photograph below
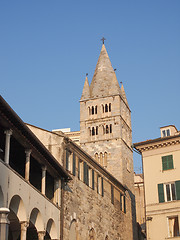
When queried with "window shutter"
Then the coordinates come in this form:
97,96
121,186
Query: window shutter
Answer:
87,179
78,168
112,194
177,183
92,179
161,192
102,185
67,159
124,204
164,163
85,172
170,162
121,201
74,164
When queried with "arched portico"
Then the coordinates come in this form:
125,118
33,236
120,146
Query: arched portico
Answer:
51,230
1,198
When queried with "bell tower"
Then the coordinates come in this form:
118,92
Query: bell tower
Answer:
105,122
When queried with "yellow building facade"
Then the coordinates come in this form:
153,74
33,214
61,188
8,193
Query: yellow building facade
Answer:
161,166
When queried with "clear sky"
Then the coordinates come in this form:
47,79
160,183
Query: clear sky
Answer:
48,46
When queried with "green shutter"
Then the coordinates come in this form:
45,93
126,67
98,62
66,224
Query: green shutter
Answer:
170,162
85,172
164,163
177,183
167,162
161,192
92,179
74,164
124,204
102,184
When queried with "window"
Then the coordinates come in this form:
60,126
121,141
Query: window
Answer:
86,174
166,133
169,191
68,160
173,226
167,162
100,187
95,109
112,194
80,169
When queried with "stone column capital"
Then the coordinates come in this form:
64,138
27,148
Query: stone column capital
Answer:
24,225
8,132
44,168
4,215
28,152
41,235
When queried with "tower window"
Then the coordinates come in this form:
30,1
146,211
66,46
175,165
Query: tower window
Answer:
96,109
110,128
103,108
96,130
92,110
107,129
93,131
110,107
106,108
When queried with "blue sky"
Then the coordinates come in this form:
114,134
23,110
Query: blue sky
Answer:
47,47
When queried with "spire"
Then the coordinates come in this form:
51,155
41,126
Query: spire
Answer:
123,93
86,89
104,82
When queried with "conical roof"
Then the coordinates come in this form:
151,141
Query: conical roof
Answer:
104,82
86,90
123,94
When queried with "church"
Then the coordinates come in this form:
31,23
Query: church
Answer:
71,185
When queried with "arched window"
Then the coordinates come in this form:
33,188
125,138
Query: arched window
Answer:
110,128
96,109
106,108
107,129
93,131
96,130
101,158
105,159
96,156
102,108
92,110
72,232
110,107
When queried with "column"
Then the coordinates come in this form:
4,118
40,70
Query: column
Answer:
27,166
43,181
57,192
4,223
24,226
7,145
41,235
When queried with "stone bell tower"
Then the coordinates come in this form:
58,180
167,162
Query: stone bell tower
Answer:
105,122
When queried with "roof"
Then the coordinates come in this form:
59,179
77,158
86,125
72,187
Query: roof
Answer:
15,121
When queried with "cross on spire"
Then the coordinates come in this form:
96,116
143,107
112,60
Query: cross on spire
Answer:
103,39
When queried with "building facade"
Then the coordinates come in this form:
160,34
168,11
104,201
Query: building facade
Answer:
161,168
30,182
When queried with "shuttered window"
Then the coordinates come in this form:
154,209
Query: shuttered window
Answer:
124,204
74,164
121,201
86,174
67,159
167,162
161,192
177,184
92,179
102,185
112,194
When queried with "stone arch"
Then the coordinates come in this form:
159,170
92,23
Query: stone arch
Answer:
96,156
92,234
1,198
51,229
73,230
17,206
36,219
